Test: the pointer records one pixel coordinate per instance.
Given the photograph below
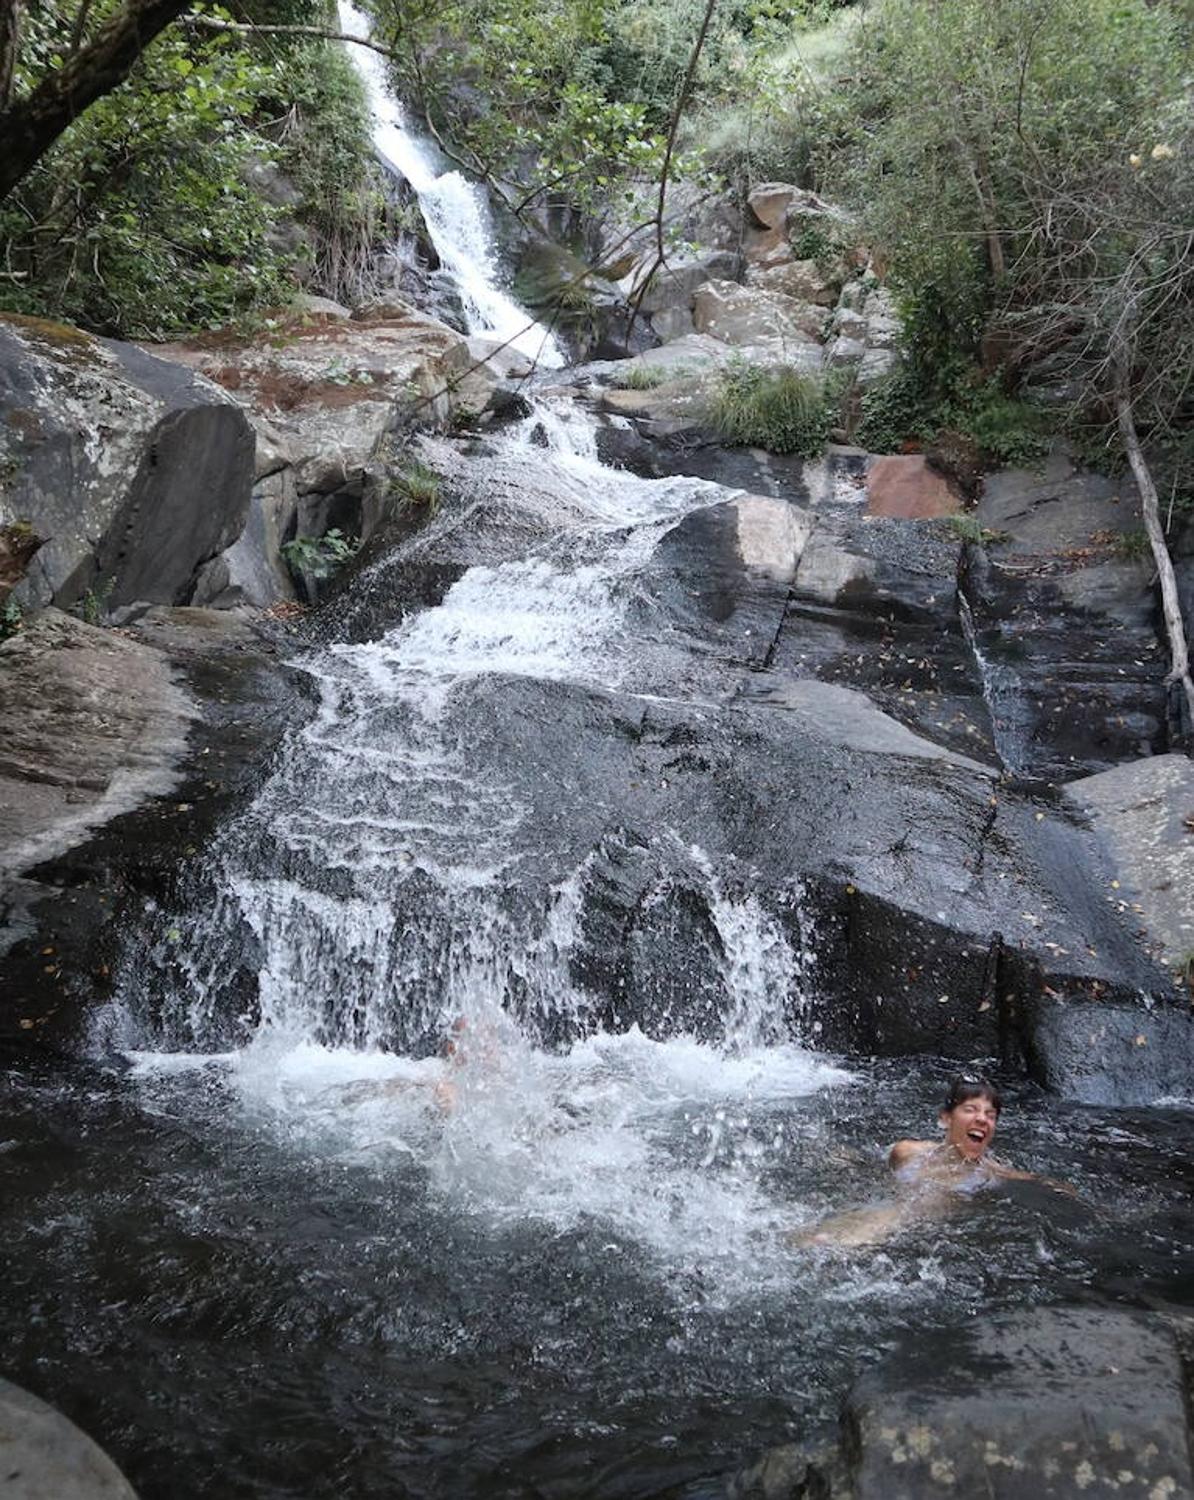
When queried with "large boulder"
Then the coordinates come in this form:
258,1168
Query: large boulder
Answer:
324,398
1144,810
45,1457
804,280
1051,1404
672,284
133,469
749,318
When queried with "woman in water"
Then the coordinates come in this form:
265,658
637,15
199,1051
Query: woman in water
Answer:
932,1171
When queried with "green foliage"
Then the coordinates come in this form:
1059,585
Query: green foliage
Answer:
1007,431
155,215
970,529
11,619
319,557
904,411
1134,545
895,413
776,407
417,485
1022,165
92,606
323,147
640,377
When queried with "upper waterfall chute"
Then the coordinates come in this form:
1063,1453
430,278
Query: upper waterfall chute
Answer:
456,214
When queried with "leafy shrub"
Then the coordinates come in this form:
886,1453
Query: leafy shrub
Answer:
895,412
91,607
155,215
319,556
900,412
777,408
1007,430
1134,545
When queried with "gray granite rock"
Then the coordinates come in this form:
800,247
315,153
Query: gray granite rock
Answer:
45,1457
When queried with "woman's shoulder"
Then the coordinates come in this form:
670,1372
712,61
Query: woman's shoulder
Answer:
904,1152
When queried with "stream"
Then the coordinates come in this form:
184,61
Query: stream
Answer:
275,1243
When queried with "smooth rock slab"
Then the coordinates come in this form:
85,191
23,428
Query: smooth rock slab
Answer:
45,1457
1051,1404
1145,813
91,725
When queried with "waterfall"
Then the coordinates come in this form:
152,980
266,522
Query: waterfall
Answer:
414,859
455,211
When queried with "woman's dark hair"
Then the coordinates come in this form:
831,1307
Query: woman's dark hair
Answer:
965,1086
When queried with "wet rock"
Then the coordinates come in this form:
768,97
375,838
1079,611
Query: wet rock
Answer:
1056,1403
134,469
1064,624
91,725
1144,810
123,847
45,1457
874,608
1101,1053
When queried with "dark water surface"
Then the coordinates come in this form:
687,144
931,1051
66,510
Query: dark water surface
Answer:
311,1295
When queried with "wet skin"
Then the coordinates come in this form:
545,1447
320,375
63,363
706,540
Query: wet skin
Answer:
959,1159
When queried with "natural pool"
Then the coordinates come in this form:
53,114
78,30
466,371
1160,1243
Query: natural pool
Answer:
261,1277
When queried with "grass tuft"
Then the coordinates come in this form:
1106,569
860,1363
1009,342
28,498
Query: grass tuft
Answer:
774,407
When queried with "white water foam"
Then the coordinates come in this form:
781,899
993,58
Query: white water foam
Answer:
455,211
664,1145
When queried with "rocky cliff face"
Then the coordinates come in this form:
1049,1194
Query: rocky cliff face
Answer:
132,471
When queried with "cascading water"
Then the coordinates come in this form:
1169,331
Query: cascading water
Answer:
390,879
455,211
310,1259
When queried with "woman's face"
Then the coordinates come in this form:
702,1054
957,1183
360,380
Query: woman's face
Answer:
970,1126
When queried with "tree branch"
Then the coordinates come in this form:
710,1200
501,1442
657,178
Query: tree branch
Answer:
321,33
1171,608
30,126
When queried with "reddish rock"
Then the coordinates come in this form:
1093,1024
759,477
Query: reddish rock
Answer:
905,486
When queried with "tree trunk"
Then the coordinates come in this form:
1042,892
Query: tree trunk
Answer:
30,126
10,37
1150,508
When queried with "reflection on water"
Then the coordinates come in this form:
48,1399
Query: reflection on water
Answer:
279,1276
